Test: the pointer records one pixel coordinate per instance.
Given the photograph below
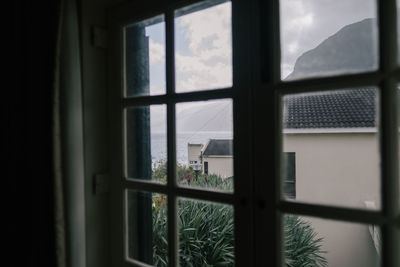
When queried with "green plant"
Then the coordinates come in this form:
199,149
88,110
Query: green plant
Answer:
302,246
160,230
206,234
159,172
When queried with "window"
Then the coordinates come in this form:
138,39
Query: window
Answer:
289,174
153,103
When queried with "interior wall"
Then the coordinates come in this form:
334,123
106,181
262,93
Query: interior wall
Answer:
94,96
95,127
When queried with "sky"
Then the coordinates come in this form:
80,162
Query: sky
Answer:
203,50
203,41
306,23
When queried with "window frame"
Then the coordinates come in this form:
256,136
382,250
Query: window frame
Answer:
118,17
385,78
289,180
257,93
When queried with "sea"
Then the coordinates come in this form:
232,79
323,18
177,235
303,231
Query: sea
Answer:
159,144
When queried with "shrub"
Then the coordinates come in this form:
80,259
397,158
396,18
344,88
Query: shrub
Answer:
302,247
206,234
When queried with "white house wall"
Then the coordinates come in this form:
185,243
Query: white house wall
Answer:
194,152
339,169
222,166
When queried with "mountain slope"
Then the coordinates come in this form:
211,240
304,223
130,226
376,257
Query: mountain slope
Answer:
352,49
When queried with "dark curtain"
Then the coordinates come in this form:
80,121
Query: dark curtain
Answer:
29,63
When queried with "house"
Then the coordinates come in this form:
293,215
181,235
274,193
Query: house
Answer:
335,141
331,157
194,154
215,157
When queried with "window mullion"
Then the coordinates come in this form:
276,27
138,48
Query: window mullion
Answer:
267,134
389,129
171,146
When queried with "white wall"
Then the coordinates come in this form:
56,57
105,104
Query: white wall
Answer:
340,169
347,244
194,152
222,166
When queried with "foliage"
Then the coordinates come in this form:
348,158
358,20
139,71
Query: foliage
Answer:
160,230
187,176
206,234
160,171
302,247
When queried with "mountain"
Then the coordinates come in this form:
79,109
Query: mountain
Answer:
354,48
212,116
209,116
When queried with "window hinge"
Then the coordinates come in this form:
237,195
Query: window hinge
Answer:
99,37
101,183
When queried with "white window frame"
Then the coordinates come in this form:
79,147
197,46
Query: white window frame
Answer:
257,93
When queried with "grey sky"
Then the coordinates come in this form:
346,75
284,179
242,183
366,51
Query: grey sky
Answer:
306,23
203,44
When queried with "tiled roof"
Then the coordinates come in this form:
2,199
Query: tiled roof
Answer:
219,147
339,109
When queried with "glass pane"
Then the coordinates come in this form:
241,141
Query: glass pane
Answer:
205,144
206,234
332,138
320,38
145,57
146,143
312,241
146,227
203,46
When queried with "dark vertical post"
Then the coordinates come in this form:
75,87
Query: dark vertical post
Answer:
138,144
268,137
389,130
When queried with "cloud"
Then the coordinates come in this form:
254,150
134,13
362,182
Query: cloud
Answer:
305,24
203,56
157,52
208,64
